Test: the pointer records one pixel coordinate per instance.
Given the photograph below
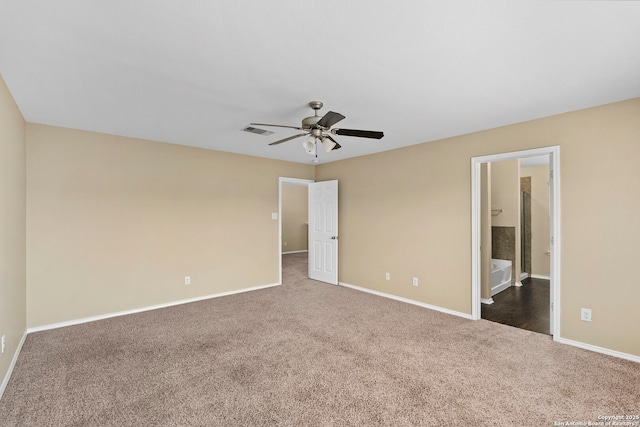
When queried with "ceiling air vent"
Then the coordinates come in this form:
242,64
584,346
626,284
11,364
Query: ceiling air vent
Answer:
257,131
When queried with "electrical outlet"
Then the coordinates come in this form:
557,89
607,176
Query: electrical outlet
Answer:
415,281
387,276
187,280
285,243
585,314
3,343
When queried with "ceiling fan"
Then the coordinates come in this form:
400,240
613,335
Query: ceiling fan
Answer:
319,131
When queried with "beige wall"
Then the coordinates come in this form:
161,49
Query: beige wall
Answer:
295,215
540,244
412,218
505,196
407,212
116,223
505,192
13,286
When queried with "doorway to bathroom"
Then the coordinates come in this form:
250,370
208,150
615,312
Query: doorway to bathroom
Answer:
515,239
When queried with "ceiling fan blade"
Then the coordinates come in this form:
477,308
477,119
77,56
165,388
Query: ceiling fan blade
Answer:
277,126
287,139
359,133
334,141
330,119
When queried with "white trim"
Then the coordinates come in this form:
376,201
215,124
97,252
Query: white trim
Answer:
501,287
597,349
487,301
554,207
540,276
12,365
523,275
143,309
288,181
476,236
408,301
517,284
295,252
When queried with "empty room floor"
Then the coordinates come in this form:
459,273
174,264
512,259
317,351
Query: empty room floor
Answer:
308,353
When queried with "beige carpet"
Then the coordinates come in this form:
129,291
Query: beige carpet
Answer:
305,354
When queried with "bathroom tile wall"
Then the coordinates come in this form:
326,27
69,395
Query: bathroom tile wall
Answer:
503,245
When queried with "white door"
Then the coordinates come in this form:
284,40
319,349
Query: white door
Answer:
323,231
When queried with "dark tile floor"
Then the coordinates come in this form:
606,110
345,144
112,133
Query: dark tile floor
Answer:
525,307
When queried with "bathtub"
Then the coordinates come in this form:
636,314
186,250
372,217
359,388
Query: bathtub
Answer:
500,275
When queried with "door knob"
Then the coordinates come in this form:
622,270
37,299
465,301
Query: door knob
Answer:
334,237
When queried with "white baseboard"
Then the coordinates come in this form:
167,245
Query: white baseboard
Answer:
585,346
523,276
409,301
5,381
142,309
597,349
294,252
501,287
487,301
594,348
540,276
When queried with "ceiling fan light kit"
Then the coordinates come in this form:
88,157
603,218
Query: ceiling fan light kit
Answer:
319,130
309,145
328,145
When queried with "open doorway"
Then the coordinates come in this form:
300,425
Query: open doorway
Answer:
517,290
506,228
293,217
320,224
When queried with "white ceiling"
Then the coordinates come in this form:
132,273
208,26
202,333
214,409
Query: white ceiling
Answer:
197,72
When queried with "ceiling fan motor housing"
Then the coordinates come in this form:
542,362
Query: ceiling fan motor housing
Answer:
310,122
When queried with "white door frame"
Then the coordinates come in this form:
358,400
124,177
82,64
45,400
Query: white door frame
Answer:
554,212
285,181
